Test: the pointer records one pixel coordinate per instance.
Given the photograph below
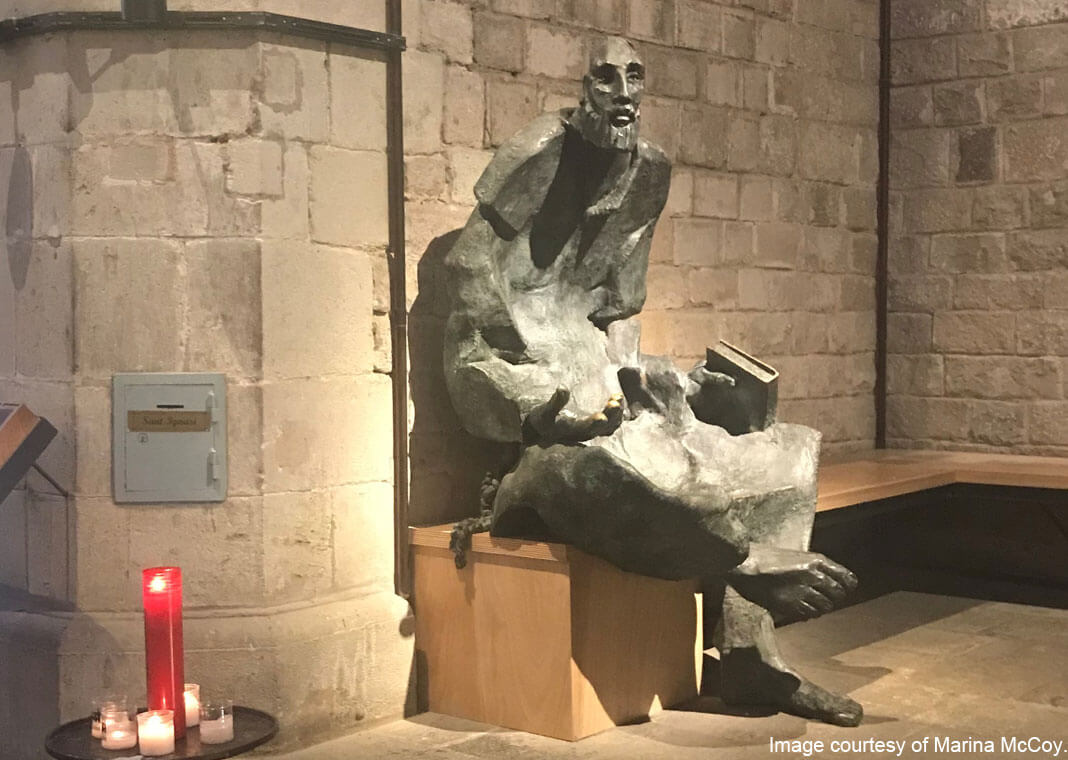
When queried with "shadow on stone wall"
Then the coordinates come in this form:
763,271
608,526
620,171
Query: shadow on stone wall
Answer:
29,678
43,646
18,221
447,463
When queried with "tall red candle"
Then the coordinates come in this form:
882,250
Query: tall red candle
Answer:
164,654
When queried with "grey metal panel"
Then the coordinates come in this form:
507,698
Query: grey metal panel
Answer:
154,466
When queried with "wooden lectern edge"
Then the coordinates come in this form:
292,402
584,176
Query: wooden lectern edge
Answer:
23,438
15,429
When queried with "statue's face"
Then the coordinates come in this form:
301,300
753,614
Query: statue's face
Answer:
616,82
613,92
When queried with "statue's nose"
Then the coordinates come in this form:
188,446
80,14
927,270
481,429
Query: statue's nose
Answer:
624,92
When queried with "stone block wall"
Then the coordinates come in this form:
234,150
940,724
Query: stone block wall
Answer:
364,14
979,255
205,202
768,240
768,111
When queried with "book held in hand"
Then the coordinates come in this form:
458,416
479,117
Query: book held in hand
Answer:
751,404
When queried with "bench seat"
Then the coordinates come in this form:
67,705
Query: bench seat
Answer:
883,474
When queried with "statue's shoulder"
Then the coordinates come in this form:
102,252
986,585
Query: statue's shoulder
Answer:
652,153
654,156
516,181
655,173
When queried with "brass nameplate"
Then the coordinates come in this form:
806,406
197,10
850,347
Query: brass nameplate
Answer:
168,421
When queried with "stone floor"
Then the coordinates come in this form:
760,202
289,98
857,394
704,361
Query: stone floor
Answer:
925,667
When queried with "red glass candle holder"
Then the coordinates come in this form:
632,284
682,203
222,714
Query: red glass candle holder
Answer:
164,653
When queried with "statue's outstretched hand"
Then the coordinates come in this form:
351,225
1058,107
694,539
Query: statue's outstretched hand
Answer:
549,423
791,585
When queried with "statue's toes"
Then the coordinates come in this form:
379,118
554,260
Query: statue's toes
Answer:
790,606
816,703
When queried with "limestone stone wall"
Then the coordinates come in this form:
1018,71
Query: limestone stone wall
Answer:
364,14
979,257
768,110
205,202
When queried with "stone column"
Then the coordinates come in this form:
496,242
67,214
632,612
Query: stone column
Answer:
199,201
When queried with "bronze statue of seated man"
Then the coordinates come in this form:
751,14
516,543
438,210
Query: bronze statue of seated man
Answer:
619,453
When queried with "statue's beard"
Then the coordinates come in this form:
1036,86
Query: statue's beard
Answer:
597,128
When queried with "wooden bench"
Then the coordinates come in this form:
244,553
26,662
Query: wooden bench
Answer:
978,525
874,475
541,637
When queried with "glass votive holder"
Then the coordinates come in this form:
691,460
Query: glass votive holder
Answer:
120,732
100,704
192,704
216,721
155,732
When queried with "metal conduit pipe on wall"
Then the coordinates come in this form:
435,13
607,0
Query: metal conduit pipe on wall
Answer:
398,299
882,226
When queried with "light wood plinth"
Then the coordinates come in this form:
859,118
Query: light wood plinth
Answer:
544,638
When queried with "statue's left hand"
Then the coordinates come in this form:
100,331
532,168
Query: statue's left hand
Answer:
707,392
703,378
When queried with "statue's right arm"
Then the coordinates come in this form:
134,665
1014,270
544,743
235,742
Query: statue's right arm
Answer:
548,423
519,402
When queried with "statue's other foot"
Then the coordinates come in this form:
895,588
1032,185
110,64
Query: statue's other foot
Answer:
745,680
816,703
791,585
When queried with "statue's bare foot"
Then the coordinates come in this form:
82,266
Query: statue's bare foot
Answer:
791,585
814,702
746,681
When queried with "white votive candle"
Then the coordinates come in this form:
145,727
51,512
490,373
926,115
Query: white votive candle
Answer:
192,704
111,702
217,731
119,736
118,731
155,732
216,722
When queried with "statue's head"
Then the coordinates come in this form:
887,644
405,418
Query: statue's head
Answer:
608,115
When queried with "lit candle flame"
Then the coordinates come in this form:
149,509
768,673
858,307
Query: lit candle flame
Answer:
157,584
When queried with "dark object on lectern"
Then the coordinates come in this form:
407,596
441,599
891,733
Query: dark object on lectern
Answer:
749,405
23,437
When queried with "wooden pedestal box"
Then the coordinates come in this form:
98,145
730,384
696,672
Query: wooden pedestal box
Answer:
544,638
